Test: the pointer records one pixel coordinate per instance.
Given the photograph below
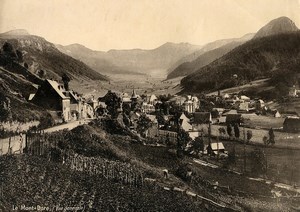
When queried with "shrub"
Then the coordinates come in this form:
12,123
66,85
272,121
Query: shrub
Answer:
46,121
258,162
249,135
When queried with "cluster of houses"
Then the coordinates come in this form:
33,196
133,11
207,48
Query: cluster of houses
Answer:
190,119
67,105
63,104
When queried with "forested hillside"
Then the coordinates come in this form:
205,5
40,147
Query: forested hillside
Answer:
258,58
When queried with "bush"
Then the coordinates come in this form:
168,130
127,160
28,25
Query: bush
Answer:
229,130
258,162
236,131
249,135
46,121
183,172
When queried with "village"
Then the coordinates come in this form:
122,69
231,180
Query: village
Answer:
222,115
202,126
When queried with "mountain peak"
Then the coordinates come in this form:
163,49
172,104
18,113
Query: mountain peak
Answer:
76,45
277,26
16,32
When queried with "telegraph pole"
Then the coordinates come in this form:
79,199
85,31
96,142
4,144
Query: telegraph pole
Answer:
209,132
244,148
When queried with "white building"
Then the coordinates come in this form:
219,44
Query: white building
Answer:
191,104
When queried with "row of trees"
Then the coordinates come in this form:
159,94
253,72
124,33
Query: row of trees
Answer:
235,131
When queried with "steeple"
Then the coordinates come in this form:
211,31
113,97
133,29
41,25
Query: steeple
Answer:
133,96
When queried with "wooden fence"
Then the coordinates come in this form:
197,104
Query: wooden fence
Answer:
37,143
122,172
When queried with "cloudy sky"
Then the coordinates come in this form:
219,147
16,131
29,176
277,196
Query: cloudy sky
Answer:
126,24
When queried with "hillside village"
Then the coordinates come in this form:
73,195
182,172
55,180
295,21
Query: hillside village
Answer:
161,118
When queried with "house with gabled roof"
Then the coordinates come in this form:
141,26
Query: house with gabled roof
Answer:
50,95
291,124
216,148
184,123
63,104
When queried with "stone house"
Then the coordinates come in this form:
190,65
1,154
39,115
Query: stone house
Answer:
51,96
61,103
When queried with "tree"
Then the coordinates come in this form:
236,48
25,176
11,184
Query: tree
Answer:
126,109
198,144
168,142
19,55
143,124
221,131
8,55
5,108
113,102
229,130
66,79
175,110
160,118
236,130
182,139
26,65
41,73
8,49
271,136
259,161
249,135
185,171
265,140
231,159
46,121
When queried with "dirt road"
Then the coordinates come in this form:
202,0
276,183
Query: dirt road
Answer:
15,144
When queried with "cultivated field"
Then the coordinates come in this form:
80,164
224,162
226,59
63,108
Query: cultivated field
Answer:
141,83
283,165
282,139
264,122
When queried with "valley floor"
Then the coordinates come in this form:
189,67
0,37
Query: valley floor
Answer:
141,83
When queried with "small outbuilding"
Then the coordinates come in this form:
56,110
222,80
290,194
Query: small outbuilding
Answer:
291,124
276,114
216,148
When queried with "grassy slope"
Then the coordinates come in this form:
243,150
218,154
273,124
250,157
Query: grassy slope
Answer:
152,160
17,89
50,183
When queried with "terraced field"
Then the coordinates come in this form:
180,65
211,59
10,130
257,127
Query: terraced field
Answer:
32,182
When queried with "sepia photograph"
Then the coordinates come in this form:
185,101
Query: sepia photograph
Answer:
150,105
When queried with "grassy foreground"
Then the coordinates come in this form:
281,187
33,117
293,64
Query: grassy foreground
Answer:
31,180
